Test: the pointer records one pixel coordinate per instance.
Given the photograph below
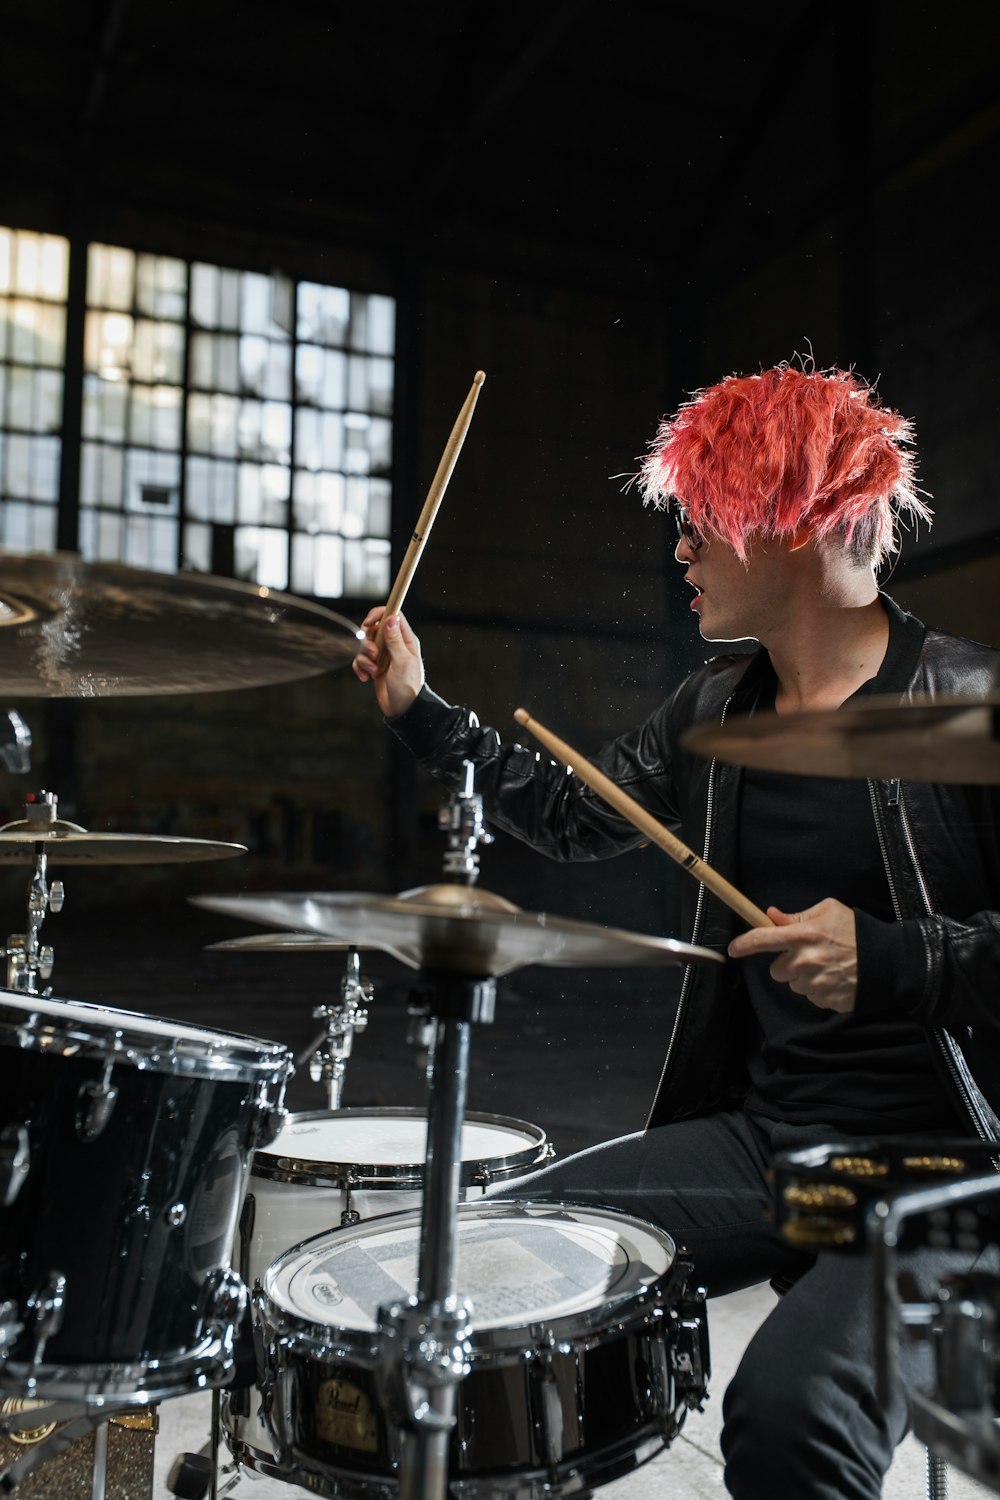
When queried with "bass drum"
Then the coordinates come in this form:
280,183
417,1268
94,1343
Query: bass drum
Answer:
587,1348
336,1167
125,1148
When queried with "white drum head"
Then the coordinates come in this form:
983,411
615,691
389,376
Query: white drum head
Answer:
389,1144
518,1264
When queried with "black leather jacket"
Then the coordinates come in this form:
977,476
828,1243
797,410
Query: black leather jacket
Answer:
940,843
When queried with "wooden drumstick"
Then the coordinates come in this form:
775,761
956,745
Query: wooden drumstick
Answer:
435,495
646,823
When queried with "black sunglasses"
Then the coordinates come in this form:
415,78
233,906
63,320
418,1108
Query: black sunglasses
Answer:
685,531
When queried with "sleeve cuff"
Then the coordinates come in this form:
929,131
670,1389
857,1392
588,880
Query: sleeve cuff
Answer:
424,724
892,965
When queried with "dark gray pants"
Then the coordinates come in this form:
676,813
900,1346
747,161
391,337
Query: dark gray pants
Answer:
801,1417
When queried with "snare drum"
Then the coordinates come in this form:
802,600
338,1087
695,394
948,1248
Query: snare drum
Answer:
586,1351
331,1167
125,1147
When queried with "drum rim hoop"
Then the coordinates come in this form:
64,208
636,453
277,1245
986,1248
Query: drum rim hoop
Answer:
269,1166
221,1055
629,1310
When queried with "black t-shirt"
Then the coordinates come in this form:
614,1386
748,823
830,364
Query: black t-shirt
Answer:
803,838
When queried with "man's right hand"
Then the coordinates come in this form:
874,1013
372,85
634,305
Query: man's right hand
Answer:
397,672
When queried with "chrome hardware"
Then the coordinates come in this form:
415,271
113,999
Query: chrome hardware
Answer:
420,1352
225,1298
10,1328
15,743
328,1054
15,1160
97,1099
28,960
47,1308
461,818
175,1215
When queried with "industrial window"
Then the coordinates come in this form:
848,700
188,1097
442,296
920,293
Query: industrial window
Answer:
232,422
33,281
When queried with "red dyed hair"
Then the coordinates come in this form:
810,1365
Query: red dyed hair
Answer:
764,456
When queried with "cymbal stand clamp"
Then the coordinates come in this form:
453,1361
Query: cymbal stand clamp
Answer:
328,1053
28,959
461,818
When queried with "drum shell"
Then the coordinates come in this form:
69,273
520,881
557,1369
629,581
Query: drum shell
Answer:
136,1209
291,1198
613,1371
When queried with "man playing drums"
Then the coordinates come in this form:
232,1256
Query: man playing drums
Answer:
868,1009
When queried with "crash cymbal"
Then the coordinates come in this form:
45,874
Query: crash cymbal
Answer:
68,844
282,942
458,929
926,739
73,629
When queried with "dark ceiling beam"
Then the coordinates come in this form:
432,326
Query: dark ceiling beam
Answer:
970,117
757,118
103,66
504,91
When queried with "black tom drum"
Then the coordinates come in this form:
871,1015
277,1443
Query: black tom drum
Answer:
125,1147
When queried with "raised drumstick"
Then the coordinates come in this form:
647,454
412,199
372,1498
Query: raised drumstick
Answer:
646,823
435,495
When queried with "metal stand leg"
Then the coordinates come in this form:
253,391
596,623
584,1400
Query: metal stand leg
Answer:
100,1481
424,1344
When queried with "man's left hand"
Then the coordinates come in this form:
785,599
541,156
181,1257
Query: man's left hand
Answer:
817,952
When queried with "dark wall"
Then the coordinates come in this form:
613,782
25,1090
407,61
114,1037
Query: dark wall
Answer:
545,582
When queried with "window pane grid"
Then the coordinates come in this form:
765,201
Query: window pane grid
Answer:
34,274
226,415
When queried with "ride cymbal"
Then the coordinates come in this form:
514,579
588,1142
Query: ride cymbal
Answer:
457,929
74,629
946,740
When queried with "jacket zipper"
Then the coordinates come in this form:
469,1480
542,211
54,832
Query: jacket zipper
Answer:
945,1045
699,908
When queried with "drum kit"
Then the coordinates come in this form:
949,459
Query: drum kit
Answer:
368,1323
365,1320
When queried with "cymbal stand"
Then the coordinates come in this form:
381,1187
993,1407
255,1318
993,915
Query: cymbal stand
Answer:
28,959
424,1345
327,1054
461,818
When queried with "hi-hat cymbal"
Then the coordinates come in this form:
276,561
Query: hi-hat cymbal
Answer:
283,942
68,844
926,739
458,929
73,629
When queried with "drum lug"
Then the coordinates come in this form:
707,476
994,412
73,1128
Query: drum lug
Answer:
46,1307
349,1214
550,1402
690,1355
15,1161
96,1104
225,1298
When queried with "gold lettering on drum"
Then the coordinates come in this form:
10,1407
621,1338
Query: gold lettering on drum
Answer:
344,1416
